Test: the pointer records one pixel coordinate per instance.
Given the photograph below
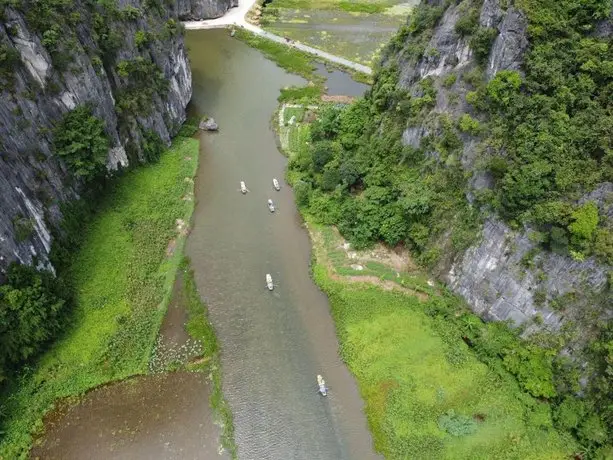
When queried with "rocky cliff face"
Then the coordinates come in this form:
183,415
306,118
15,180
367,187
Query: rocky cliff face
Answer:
502,276
191,10
54,60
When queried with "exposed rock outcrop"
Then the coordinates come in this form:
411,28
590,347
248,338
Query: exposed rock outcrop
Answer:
501,280
208,124
191,10
34,183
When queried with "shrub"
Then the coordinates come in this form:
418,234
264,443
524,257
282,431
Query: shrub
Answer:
81,142
23,228
481,43
468,124
503,87
9,61
302,191
152,146
450,80
141,38
456,424
585,221
603,245
533,368
30,311
467,23
570,413
322,153
130,13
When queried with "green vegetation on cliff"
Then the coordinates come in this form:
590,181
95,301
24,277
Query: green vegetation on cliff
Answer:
121,275
554,127
546,142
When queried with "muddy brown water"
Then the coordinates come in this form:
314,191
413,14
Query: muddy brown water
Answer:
273,343
164,416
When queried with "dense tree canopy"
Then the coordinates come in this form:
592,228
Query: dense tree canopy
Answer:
31,307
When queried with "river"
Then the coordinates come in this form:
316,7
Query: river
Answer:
273,343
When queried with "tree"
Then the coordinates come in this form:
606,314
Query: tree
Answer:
81,142
503,87
30,312
322,153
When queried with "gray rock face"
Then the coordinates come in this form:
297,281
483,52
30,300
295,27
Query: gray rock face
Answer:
497,284
192,10
208,124
452,52
510,44
34,182
493,275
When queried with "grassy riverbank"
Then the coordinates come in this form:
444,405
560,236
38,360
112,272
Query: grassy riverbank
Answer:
295,61
200,328
123,275
427,393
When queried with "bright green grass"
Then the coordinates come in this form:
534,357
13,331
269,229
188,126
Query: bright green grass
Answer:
412,368
290,59
297,112
298,136
123,281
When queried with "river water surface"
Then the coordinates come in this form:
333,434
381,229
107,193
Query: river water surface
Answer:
273,343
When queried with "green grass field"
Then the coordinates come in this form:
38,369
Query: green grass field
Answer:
413,369
123,276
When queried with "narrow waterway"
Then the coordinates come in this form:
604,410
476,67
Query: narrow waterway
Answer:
273,343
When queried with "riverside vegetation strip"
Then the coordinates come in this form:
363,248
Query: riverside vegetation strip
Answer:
200,328
122,273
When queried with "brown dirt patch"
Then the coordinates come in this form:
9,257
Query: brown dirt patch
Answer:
170,249
339,99
379,254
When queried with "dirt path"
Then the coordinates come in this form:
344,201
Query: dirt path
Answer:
236,17
386,285
380,254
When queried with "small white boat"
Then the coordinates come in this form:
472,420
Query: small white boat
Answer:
271,205
321,383
275,184
243,187
269,284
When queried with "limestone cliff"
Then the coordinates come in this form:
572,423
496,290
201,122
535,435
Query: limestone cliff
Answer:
56,56
191,10
502,275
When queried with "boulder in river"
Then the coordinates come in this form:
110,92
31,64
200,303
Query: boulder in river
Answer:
208,124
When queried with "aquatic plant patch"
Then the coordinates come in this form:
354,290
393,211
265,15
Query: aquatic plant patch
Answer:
122,276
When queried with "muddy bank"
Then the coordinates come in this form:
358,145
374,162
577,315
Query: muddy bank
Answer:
158,416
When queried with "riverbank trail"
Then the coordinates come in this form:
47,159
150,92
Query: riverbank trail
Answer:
236,17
